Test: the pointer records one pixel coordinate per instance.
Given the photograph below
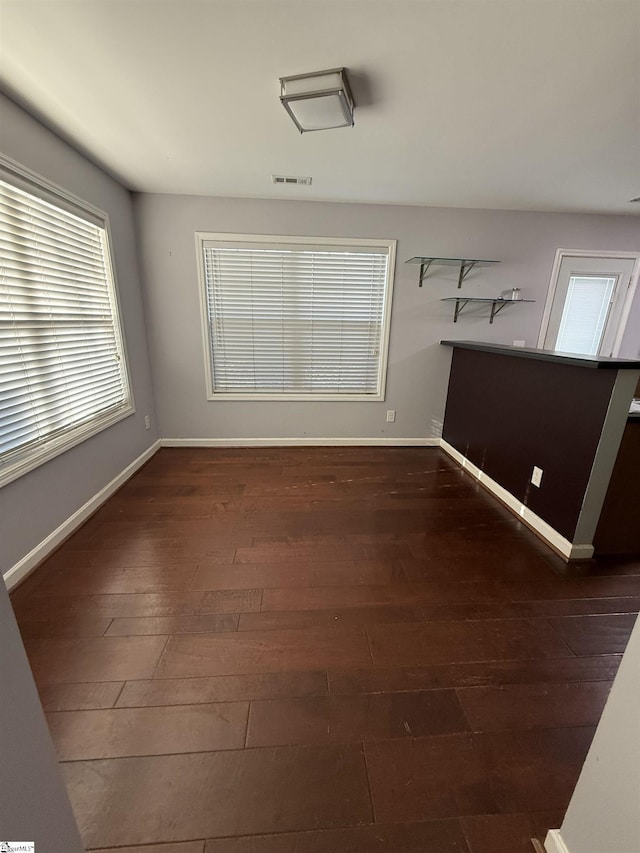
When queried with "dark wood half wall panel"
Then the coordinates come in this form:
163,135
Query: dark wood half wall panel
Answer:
508,414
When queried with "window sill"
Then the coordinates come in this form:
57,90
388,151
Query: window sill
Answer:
250,397
38,456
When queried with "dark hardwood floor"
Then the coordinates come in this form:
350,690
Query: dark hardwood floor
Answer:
325,650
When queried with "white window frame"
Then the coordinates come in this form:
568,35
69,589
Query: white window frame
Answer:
322,242
560,255
33,456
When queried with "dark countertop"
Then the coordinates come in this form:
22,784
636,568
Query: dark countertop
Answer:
548,355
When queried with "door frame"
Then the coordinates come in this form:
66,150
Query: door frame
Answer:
561,254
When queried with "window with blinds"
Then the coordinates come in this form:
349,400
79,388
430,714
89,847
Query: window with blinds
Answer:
295,318
585,313
63,374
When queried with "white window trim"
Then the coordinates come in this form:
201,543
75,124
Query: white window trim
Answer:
38,455
561,254
250,239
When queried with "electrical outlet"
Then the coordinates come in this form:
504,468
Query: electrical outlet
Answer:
536,477
147,422
391,415
518,343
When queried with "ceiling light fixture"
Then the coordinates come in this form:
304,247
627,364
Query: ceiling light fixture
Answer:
318,101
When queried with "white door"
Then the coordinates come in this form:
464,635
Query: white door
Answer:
589,305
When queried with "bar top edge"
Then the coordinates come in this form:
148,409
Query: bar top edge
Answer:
594,362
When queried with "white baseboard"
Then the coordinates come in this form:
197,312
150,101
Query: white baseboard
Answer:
554,842
564,547
294,442
26,565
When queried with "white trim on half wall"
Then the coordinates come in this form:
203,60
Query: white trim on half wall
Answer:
566,549
554,842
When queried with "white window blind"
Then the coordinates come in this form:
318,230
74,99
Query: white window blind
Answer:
62,371
302,321
585,313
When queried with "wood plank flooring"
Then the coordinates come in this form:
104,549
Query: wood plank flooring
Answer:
320,649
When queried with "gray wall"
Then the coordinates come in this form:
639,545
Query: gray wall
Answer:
37,503
418,366
604,813
34,805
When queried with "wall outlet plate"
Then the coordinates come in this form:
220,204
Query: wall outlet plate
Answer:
536,477
147,422
391,415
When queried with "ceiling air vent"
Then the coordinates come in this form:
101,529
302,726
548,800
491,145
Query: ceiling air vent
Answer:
285,179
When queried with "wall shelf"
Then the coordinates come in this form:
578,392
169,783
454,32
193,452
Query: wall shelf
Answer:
465,264
497,304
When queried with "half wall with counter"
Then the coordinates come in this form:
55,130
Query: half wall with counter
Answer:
512,408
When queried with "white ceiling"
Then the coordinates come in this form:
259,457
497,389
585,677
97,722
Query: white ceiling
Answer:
512,104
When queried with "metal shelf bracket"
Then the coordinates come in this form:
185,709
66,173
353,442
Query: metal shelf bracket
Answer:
424,269
465,266
465,269
460,304
497,304
496,308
